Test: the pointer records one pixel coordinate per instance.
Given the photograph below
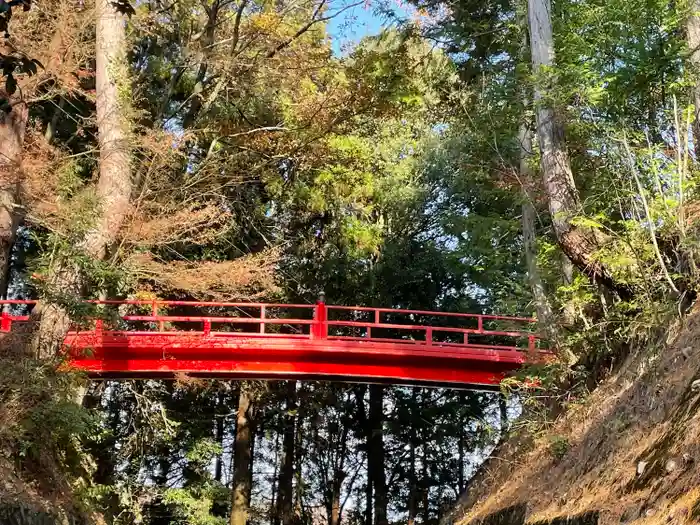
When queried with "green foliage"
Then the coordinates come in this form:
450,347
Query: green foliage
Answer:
203,451
71,180
559,446
194,506
44,432
66,419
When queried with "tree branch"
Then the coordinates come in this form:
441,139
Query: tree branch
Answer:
650,219
258,130
308,26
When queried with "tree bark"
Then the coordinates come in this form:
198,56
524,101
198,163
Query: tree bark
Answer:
251,455
334,507
300,510
275,478
567,272
529,214
693,38
50,321
460,443
13,125
503,410
285,488
529,223
579,243
412,481
219,436
242,460
425,484
375,460
556,167
364,425
112,92
114,185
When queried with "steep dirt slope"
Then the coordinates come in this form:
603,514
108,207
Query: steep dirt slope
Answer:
633,452
23,503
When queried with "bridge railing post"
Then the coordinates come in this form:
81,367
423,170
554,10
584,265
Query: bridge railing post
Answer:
5,321
319,329
377,321
154,314
99,337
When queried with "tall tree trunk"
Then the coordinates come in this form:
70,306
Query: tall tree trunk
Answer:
529,223
300,511
218,468
334,515
113,112
413,489
251,455
460,443
567,272
275,478
425,484
341,450
369,498
579,243
412,481
693,36
242,459
546,319
529,214
114,185
364,425
503,409
285,513
13,125
375,460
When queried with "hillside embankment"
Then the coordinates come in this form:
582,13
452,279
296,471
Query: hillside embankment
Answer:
627,453
23,503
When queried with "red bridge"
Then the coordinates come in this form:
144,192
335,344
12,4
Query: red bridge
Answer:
150,339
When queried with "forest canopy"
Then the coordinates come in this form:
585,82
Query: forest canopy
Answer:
499,156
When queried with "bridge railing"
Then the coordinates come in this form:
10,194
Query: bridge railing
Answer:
431,328
304,321
250,318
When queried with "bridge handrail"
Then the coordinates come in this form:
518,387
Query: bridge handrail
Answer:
319,323
164,302
432,313
160,302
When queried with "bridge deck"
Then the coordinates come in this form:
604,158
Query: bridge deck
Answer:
149,339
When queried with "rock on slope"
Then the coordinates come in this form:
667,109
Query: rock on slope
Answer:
630,454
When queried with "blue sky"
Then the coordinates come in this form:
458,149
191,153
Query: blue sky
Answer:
360,21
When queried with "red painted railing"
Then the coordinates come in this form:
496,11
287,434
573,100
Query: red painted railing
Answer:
319,321
156,339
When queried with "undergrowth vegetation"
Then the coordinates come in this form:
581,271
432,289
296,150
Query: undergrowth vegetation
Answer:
44,430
